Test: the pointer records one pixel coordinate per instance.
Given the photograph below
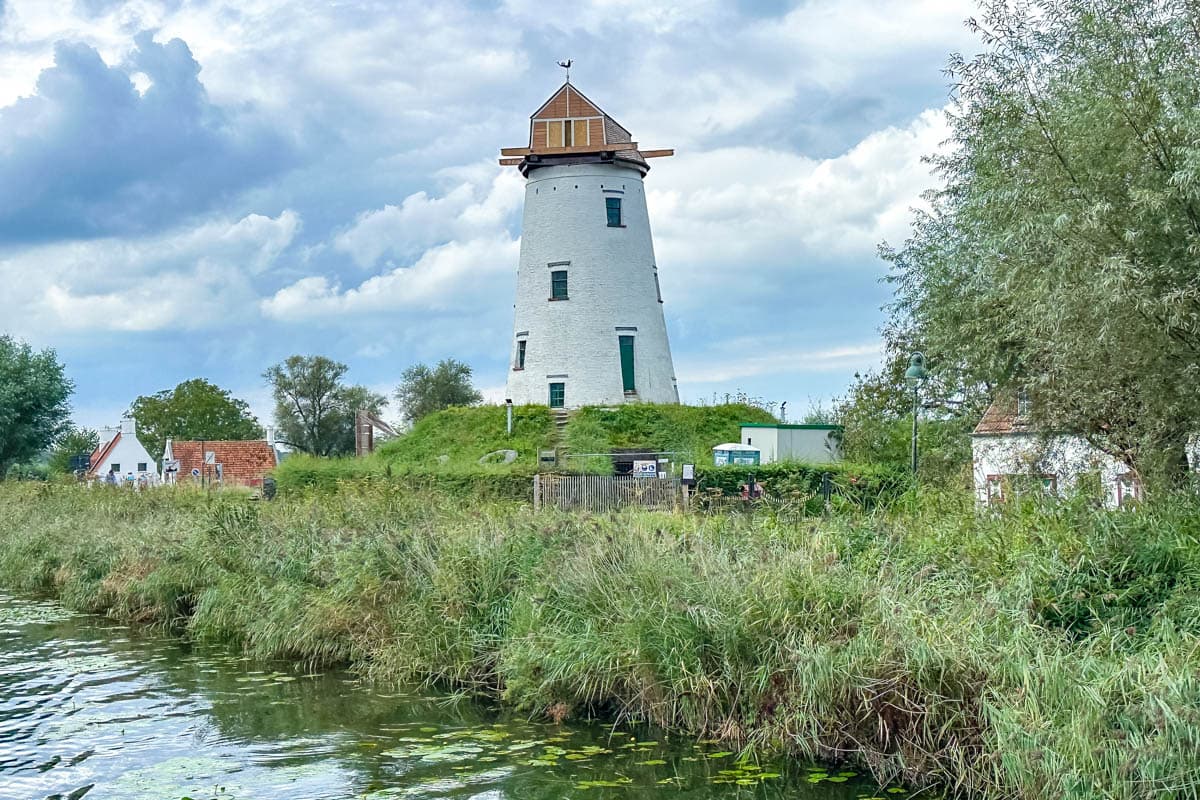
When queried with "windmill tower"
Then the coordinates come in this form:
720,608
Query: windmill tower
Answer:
589,327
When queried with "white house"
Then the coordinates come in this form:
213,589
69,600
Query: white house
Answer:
813,444
588,323
1009,455
122,454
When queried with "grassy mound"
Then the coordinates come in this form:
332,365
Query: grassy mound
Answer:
1037,652
464,435
689,431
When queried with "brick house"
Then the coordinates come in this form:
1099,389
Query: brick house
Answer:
235,463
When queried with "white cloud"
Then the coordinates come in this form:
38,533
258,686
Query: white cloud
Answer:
776,214
454,276
767,358
192,278
421,221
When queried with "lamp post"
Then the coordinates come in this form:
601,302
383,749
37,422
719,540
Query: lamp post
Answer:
915,375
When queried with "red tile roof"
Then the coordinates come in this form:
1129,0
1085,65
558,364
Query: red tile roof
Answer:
243,463
1001,418
101,454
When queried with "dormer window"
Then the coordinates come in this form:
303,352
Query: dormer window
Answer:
1023,404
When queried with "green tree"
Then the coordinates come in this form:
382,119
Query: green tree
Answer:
314,409
34,391
876,418
195,409
423,391
1060,254
71,443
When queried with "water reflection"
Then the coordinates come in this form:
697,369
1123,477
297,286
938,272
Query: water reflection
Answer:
91,708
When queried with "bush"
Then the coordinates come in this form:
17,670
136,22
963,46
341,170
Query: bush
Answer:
854,486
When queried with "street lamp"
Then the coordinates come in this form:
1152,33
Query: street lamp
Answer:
915,375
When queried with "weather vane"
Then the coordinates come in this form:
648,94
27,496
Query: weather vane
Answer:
567,66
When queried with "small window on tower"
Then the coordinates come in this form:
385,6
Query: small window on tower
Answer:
558,284
657,288
521,354
613,206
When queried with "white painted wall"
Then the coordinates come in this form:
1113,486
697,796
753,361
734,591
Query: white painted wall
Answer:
611,285
1063,456
127,453
814,445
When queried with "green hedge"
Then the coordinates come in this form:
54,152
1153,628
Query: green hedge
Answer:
302,473
856,485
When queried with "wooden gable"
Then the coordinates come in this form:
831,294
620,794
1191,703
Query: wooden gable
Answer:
567,103
570,124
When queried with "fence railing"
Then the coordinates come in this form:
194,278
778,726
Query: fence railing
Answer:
602,493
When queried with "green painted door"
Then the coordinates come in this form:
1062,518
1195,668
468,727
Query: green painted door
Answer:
627,363
558,395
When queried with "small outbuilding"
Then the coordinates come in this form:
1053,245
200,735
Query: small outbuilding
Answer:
735,453
778,441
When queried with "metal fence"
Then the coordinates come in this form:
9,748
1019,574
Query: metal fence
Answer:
605,492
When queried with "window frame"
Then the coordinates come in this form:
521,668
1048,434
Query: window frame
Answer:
556,277
611,204
521,348
143,466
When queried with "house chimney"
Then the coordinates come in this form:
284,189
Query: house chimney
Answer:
270,436
128,426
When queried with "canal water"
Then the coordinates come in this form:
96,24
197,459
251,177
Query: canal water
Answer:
90,708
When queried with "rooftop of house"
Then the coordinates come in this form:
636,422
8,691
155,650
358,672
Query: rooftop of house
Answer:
243,462
1001,418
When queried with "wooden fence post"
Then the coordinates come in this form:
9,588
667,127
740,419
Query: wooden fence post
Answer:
537,491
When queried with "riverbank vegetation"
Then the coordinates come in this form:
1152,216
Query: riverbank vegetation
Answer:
1035,652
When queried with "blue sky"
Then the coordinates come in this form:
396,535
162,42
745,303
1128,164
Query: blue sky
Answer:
205,187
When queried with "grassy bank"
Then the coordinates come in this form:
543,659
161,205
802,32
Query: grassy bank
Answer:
450,445
1044,653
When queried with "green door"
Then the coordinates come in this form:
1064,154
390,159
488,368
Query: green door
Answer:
558,395
627,363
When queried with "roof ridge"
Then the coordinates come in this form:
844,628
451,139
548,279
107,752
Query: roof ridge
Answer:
101,453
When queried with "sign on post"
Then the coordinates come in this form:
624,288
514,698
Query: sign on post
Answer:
645,469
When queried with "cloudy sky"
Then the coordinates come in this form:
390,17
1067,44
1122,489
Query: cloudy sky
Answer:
204,187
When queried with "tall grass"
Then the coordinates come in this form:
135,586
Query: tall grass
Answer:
1043,652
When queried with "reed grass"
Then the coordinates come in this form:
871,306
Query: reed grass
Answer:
1046,651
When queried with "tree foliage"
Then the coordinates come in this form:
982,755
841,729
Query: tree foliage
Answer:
72,442
195,409
876,419
423,391
1061,253
34,391
314,409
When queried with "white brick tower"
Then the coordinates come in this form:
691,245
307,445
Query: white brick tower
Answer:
589,321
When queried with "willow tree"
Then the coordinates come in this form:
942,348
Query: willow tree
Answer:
1062,253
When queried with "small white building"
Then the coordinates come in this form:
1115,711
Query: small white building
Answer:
812,444
123,455
1009,455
